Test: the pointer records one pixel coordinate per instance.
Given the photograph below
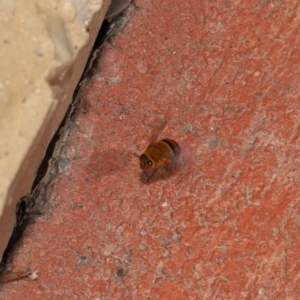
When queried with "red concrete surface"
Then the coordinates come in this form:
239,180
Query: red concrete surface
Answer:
225,75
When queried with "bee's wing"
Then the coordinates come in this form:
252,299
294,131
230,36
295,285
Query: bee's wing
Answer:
157,129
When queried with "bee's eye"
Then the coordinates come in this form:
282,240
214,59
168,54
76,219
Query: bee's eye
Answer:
145,162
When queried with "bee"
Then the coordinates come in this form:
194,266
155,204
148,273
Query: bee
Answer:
159,154
161,157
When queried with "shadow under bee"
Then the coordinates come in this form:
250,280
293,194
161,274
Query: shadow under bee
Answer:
160,173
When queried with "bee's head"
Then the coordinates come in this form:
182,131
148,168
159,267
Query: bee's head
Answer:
145,162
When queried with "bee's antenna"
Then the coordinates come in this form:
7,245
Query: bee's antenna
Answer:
135,154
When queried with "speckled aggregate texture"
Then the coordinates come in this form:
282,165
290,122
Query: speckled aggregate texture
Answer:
225,76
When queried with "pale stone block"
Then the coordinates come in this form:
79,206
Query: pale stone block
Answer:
44,46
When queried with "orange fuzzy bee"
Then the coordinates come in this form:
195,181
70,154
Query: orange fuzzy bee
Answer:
160,157
163,153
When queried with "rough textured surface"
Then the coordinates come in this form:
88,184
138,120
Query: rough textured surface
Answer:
226,226
44,47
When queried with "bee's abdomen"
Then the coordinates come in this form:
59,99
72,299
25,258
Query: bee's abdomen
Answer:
173,145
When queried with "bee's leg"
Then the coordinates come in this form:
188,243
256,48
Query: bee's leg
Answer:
147,174
133,153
